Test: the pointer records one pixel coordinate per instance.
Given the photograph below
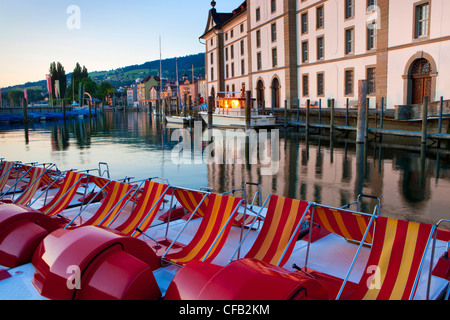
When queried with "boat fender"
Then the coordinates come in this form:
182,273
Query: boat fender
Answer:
92,263
21,231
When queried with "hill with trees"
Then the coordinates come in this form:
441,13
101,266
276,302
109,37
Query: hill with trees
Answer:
114,79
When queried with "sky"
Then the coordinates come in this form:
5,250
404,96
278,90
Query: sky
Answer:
99,34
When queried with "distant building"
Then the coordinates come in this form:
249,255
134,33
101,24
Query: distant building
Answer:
290,50
144,87
132,97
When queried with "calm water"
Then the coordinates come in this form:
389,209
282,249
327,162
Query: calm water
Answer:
413,184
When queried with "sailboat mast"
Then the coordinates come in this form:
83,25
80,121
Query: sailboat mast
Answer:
160,74
178,84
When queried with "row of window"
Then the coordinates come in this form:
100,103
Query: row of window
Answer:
349,83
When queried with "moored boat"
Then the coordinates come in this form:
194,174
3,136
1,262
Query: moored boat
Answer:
230,113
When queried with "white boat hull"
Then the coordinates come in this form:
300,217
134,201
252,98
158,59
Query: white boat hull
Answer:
239,121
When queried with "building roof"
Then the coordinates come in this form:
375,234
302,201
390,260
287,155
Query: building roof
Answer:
217,19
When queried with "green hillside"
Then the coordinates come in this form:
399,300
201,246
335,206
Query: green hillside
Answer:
127,75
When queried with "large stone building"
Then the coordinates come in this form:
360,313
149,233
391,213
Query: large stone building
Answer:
290,50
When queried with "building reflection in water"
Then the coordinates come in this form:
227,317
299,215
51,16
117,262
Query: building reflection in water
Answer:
412,182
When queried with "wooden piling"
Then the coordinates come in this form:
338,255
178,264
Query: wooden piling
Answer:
25,111
382,113
285,113
362,101
248,109
308,106
425,119
332,117
210,111
366,129
441,111
347,105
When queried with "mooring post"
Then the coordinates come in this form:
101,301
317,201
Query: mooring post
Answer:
25,111
424,119
190,104
285,113
248,109
382,113
346,111
64,109
362,101
332,117
184,105
298,110
320,111
366,130
308,105
441,111
210,111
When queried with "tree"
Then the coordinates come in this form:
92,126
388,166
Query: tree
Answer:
15,96
104,89
78,75
57,72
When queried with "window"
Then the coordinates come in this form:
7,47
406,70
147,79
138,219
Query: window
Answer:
273,6
226,36
320,46
320,17
258,38
231,33
232,69
371,36
371,3
349,82
258,14
227,72
242,66
212,74
274,31
305,85
274,57
212,41
349,41
371,83
305,51
242,48
232,51
242,28
349,9
212,58
305,22
320,84
226,54
422,20
258,61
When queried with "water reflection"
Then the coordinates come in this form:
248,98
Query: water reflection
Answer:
413,182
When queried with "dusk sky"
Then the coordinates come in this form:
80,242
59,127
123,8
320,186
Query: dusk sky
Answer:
107,34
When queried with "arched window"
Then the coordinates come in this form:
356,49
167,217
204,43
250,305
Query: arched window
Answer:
260,95
275,93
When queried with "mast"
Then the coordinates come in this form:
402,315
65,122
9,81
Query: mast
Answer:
160,75
178,84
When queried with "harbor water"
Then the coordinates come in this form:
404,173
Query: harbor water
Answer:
413,183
